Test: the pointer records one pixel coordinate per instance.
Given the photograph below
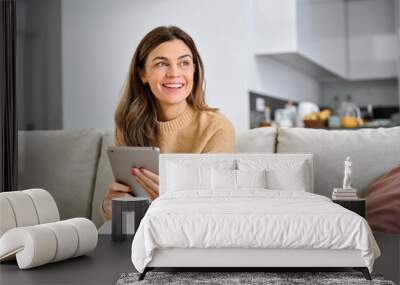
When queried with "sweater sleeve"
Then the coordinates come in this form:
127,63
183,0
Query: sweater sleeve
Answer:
222,141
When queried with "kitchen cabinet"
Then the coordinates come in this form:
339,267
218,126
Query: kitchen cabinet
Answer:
307,34
348,39
322,33
372,39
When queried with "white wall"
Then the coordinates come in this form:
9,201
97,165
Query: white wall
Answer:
100,36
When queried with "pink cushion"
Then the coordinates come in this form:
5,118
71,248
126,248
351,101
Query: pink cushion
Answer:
383,203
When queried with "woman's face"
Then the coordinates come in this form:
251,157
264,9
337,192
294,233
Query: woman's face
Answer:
169,71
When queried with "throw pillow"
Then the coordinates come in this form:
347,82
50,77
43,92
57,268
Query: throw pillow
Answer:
383,203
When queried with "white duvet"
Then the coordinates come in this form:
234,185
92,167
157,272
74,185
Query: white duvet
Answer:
252,218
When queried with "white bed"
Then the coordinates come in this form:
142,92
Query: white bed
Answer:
203,220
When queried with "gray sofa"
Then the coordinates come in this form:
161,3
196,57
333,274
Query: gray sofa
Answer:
73,166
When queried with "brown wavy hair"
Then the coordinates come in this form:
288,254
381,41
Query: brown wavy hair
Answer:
136,113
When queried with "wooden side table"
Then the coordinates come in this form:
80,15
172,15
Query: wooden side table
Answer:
120,206
355,205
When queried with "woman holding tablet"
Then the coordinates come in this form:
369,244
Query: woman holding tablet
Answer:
163,105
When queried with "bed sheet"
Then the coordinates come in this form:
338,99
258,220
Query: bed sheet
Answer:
250,218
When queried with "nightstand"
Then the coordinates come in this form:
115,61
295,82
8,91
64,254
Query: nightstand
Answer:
355,205
122,210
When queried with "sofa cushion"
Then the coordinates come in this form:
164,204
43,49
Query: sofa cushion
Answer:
259,140
63,162
372,151
104,178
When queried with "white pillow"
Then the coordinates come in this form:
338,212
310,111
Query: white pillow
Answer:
183,177
223,179
228,179
287,176
281,174
251,178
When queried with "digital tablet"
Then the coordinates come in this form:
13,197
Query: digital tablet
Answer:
124,158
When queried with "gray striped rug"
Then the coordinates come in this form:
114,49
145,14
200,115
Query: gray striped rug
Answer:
230,278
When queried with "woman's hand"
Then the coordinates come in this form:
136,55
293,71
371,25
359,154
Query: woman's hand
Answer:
115,190
148,180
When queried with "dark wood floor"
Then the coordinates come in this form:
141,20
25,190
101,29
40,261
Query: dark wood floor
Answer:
106,264
102,266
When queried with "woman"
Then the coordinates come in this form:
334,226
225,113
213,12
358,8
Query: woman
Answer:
163,105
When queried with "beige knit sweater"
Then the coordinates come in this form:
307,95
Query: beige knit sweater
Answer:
194,132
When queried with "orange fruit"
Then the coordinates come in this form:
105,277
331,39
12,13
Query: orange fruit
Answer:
349,122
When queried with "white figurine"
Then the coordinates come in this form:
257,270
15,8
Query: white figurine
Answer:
347,174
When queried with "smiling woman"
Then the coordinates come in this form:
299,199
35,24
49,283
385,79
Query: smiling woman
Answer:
169,73
163,105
